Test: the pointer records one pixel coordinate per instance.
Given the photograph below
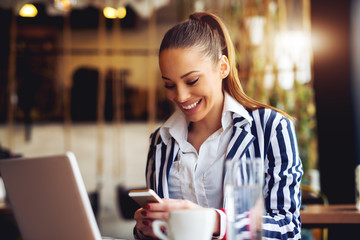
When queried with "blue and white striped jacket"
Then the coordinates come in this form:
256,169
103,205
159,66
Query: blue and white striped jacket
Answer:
270,136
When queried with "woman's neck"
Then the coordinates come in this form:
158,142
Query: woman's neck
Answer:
201,130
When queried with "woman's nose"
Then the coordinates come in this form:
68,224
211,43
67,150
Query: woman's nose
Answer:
182,94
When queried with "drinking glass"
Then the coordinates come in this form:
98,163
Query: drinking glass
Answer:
244,198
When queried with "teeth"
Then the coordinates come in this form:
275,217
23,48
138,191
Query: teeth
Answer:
191,106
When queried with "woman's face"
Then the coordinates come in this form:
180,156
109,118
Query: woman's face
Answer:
193,82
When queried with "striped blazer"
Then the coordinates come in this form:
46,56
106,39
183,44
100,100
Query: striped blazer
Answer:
270,136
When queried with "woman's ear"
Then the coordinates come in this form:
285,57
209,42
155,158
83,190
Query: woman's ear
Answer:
224,67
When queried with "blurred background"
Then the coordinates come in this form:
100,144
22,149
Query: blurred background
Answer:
83,76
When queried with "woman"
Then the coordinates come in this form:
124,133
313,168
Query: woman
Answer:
216,121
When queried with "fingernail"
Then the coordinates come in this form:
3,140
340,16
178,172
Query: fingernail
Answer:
146,223
146,206
144,213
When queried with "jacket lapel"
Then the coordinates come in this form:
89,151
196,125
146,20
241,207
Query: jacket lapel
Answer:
240,139
165,156
239,143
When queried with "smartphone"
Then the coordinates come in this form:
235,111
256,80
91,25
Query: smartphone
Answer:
145,196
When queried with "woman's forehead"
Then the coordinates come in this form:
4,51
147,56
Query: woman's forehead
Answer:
191,54
183,56
187,50
177,62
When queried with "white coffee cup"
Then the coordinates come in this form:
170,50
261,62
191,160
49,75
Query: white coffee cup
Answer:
194,224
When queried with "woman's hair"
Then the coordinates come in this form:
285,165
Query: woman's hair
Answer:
208,34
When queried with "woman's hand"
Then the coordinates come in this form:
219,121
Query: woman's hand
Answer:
143,223
153,211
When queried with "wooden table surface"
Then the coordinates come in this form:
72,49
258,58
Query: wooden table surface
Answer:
330,214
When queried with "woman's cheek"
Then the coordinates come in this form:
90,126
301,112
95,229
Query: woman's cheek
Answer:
170,95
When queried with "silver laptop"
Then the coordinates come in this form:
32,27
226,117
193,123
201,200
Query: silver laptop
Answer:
48,198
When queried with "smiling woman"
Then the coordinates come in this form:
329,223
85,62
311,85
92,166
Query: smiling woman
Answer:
217,122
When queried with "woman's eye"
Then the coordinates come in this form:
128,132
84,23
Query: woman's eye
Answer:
193,82
169,86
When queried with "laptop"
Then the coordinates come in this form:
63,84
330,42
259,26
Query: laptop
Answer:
48,198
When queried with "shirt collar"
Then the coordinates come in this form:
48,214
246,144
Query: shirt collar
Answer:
175,125
232,106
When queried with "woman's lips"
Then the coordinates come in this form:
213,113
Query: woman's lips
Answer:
190,106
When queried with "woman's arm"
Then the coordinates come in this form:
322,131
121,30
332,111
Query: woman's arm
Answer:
282,196
283,171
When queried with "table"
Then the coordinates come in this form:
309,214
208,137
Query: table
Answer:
328,215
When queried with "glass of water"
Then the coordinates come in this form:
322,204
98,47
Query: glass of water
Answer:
244,198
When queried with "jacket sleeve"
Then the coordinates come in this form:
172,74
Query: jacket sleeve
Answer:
282,176
283,172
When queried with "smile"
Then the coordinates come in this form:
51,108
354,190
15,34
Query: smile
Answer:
191,106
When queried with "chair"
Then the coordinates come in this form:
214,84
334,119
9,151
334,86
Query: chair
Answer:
311,196
126,205
94,202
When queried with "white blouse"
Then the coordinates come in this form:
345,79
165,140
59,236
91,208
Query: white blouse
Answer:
196,175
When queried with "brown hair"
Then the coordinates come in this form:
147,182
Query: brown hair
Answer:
207,33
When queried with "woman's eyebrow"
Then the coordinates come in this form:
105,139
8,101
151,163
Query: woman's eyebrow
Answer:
183,76
187,74
165,78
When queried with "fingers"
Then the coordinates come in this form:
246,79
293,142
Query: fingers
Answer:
159,211
144,219
143,222
172,204
153,215
148,214
145,228
137,215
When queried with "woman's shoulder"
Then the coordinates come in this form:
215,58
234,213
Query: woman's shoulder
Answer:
268,117
155,137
